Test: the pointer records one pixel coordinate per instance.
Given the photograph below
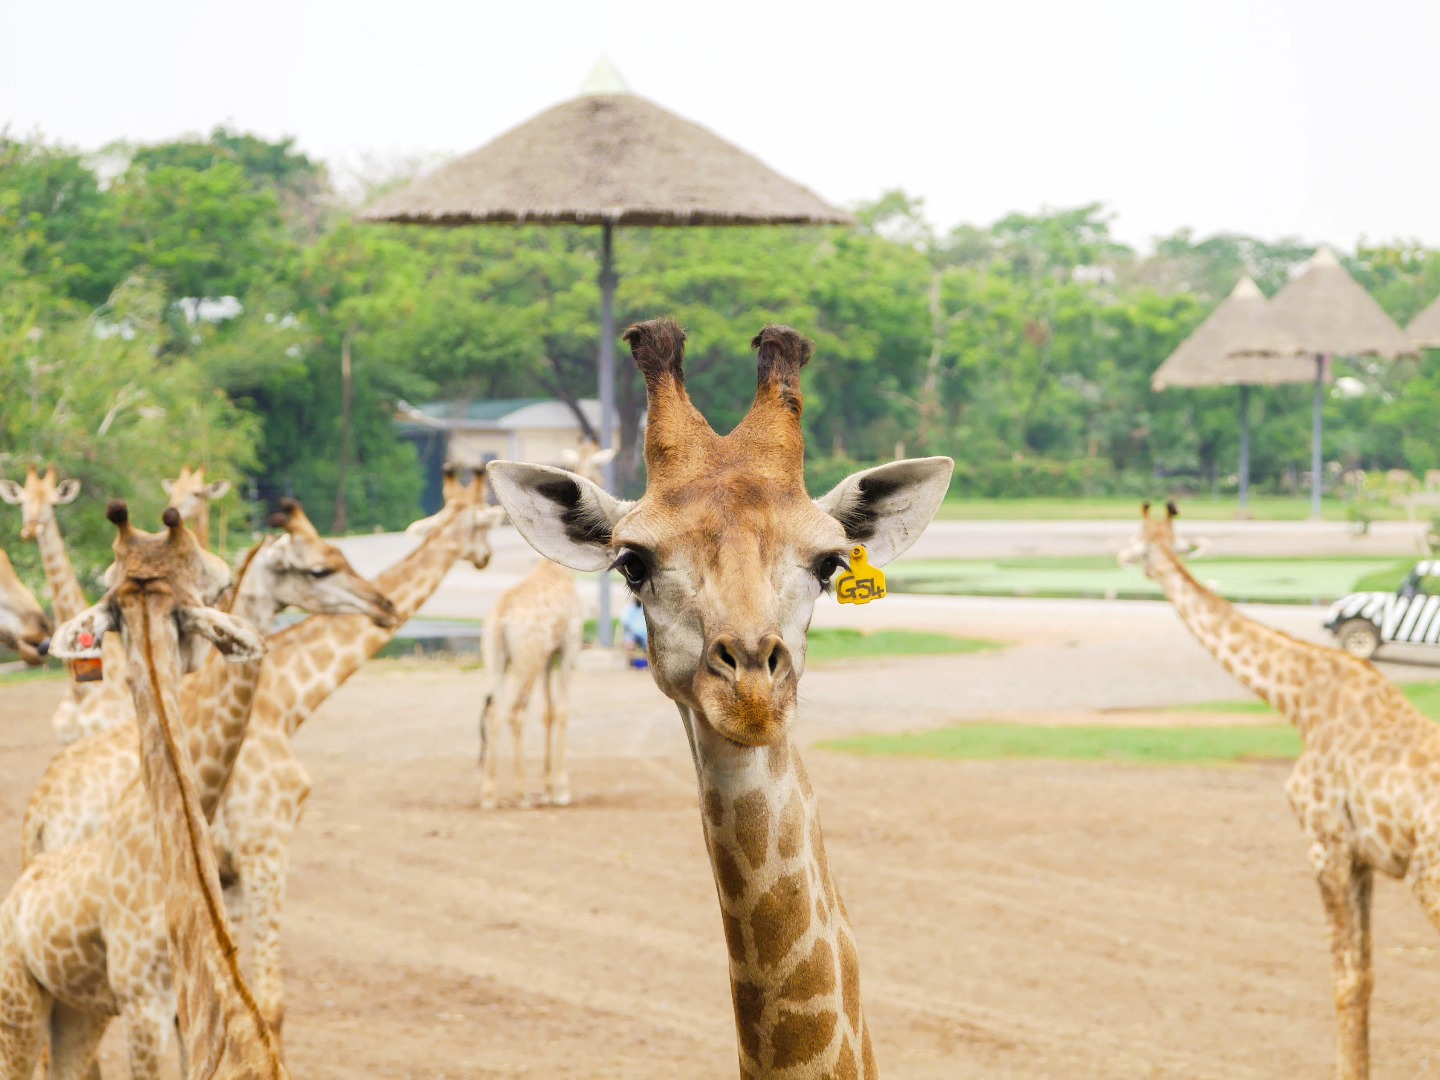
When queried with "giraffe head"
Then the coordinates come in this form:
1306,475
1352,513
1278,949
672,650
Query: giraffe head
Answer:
1157,542
726,551
307,572
588,460
466,499
37,498
167,579
190,494
23,626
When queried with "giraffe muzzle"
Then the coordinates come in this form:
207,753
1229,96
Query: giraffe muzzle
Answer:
747,688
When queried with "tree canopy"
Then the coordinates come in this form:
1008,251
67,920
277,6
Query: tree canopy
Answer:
191,301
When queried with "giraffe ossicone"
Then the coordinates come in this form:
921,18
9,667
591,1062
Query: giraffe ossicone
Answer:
728,554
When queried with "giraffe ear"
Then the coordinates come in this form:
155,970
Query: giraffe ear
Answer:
236,639
79,639
218,489
887,508
67,491
423,527
11,492
562,515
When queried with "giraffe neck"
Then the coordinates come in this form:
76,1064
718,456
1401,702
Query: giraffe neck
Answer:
201,523
66,596
217,704
794,969
308,662
219,1020
1279,669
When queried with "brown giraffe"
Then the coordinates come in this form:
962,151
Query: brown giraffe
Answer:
1366,787
85,921
153,605
85,706
728,555
266,795
532,633
23,625
191,495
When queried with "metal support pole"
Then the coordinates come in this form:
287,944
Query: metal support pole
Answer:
1244,449
1317,455
607,401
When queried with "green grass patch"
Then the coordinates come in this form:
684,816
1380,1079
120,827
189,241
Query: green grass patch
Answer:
833,645
1425,696
46,671
1147,746
1385,578
1282,581
1200,508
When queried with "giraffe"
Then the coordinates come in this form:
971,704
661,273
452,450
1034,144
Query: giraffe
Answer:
265,798
191,495
1366,788
85,705
589,460
153,605
728,554
23,626
533,632
103,891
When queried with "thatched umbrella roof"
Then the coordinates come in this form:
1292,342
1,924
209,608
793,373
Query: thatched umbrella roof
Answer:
1204,358
1424,329
606,158
1329,313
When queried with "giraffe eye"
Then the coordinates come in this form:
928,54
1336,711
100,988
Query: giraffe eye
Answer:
321,572
828,566
632,568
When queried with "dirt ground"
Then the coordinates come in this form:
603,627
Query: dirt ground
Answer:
1015,920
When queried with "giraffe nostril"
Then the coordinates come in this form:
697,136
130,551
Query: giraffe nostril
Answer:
725,658
774,661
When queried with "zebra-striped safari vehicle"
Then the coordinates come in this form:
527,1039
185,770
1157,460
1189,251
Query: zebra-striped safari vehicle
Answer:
1364,621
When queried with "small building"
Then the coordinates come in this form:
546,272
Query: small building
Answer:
472,433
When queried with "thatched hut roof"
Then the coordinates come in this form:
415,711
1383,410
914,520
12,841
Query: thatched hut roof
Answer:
605,157
1424,329
1204,358
1327,311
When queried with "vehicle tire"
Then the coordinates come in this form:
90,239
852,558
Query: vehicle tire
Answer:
1359,638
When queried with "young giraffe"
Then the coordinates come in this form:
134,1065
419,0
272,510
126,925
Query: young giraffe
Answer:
23,625
191,495
533,632
1366,787
85,706
153,606
264,800
728,555
103,892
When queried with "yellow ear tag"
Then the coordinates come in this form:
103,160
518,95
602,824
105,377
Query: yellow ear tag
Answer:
863,582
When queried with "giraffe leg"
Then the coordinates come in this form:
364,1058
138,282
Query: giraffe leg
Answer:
516,715
74,1038
263,870
1346,887
497,666
24,1010
148,1023
557,718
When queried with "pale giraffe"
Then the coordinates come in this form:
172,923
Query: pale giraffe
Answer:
728,555
152,605
23,625
86,921
531,635
589,460
1366,788
266,795
85,705
191,495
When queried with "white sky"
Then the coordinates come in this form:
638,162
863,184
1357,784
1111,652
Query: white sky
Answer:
1312,117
